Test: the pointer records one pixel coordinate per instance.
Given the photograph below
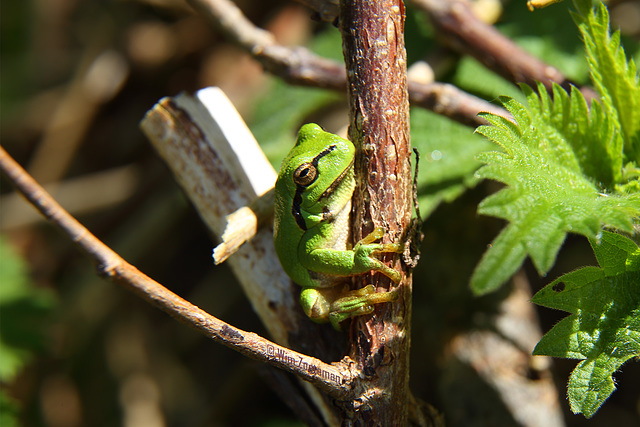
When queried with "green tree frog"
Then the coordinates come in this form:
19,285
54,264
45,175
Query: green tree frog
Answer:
312,207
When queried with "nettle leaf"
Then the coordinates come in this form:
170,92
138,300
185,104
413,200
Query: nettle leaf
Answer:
593,137
615,78
553,186
604,327
567,167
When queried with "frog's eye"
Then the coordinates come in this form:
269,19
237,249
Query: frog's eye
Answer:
305,174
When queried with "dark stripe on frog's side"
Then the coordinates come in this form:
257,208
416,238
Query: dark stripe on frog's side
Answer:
295,209
297,198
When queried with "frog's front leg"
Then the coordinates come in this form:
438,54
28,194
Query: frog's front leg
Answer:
365,248
359,260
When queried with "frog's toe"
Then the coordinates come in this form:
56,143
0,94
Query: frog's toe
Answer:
391,273
397,248
376,234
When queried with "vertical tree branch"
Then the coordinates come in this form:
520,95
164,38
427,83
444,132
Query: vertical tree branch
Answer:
373,45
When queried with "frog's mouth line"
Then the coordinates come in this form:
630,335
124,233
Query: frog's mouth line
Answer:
336,182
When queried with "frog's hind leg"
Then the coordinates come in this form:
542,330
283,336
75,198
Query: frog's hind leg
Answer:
357,303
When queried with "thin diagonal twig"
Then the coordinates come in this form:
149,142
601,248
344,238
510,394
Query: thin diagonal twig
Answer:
334,379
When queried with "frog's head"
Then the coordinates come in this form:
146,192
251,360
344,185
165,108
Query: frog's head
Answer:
318,173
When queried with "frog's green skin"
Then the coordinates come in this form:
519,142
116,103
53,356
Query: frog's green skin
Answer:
312,206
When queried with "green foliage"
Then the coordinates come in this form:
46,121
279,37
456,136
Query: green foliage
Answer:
571,167
566,168
471,76
23,311
604,329
9,411
448,161
615,79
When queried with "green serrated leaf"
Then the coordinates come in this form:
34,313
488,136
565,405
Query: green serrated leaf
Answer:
560,166
548,193
497,264
615,78
567,167
604,327
591,384
614,253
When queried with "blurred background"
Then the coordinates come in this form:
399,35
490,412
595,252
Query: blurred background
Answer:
76,79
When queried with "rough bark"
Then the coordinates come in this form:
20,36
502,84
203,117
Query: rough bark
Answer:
373,45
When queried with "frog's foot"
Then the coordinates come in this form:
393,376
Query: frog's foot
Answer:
376,248
358,303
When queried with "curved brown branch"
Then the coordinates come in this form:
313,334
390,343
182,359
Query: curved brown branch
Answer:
334,379
463,32
295,65
301,67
